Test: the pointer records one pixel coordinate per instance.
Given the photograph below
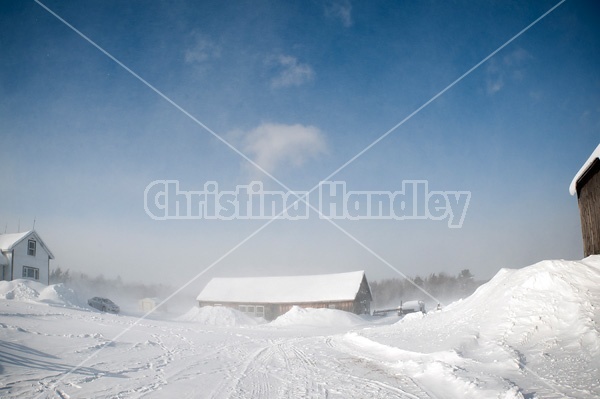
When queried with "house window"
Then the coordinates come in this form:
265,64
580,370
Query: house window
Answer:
31,272
31,247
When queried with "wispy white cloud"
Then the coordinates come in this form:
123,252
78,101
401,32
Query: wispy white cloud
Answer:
342,10
201,50
509,68
517,57
290,72
494,80
274,146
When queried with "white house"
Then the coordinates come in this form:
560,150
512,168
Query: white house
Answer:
24,255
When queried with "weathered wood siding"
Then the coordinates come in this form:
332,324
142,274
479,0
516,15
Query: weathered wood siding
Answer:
274,310
362,302
588,194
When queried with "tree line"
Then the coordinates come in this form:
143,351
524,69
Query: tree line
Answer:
88,286
388,293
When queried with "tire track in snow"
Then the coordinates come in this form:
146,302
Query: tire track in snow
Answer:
405,387
250,373
301,381
310,372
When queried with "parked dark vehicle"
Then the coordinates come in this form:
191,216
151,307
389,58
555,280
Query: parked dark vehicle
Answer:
103,304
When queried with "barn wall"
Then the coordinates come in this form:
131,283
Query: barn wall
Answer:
270,309
588,192
362,303
273,311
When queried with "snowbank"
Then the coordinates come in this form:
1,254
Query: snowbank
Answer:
436,370
542,317
411,316
542,302
58,294
217,316
551,303
27,290
321,317
20,290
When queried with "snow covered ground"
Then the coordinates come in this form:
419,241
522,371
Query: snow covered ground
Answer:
528,333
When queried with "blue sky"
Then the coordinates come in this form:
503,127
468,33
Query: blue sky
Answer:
299,87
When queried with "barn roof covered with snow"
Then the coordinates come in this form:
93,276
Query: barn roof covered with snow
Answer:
287,289
595,157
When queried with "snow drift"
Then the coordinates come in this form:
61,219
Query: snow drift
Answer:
27,290
321,317
541,320
548,304
20,290
217,316
539,304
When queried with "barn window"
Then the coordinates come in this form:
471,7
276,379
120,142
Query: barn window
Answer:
31,272
332,306
31,248
251,310
260,311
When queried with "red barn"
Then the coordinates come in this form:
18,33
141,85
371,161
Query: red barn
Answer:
270,297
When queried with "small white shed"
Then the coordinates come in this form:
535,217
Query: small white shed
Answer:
148,304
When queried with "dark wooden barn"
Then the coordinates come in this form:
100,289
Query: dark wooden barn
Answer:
586,185
270,297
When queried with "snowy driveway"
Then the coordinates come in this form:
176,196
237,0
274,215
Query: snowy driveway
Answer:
40,344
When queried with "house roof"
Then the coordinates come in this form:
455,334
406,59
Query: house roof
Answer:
595,155
9,241
287,289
